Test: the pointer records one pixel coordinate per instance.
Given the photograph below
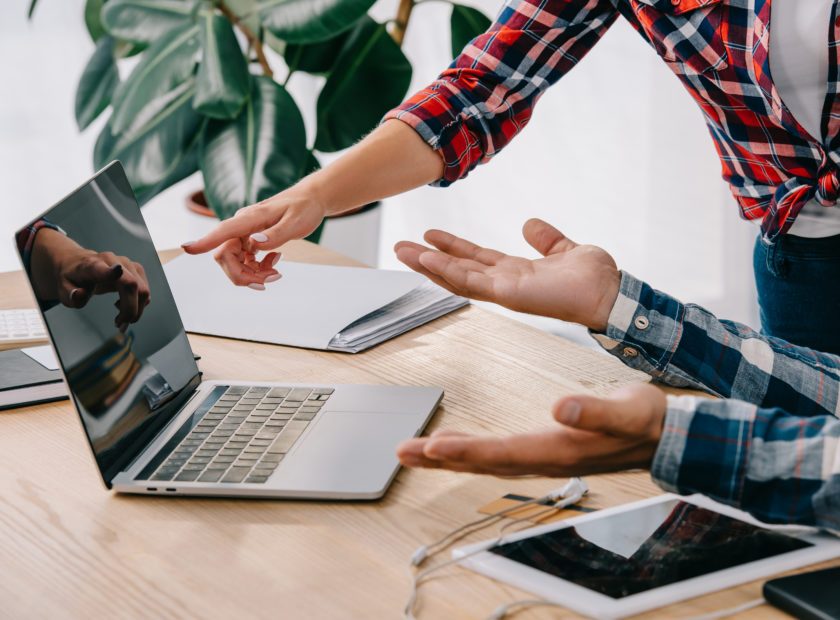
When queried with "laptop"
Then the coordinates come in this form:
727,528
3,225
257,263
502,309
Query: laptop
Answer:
155,427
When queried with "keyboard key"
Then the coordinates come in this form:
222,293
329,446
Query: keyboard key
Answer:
306,416
187,476
236,390
278,392
258,390
211,475
256,479
287,438
222,460
271,400
236,474
271,459
324,391
299,394
310,409
162,476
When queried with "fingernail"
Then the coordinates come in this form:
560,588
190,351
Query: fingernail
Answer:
116,270
273,278
570,413
256,287
259,237
276,259
187,244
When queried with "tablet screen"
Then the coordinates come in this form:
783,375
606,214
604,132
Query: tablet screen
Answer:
648,547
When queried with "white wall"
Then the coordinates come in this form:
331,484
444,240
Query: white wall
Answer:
616,154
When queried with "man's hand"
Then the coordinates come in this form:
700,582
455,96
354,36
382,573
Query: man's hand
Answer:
261,227
64,271
572,282
594,435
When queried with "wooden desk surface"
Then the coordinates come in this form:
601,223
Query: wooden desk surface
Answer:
70,548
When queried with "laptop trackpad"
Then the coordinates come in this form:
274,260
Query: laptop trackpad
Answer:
347,453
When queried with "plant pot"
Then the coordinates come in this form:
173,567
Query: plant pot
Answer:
197,203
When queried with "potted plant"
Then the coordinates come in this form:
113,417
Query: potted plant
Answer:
204,95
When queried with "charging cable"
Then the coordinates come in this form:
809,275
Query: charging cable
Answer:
569,494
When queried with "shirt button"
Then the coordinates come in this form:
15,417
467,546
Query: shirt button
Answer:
641,322
630,352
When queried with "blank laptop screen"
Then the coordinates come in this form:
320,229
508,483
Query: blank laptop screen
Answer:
127,381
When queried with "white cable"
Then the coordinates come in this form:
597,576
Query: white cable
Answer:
725,613
571,493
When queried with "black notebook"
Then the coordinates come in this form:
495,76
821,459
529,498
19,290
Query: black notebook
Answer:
807,596
23,381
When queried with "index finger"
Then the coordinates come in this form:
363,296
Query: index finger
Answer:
243,225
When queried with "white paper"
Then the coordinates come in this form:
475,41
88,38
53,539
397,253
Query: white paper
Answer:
306,308
43,355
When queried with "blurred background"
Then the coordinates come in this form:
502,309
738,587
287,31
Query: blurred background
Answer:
616,155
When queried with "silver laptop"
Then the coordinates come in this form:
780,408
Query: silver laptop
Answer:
155,427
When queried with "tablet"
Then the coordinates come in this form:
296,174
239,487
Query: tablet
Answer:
632,558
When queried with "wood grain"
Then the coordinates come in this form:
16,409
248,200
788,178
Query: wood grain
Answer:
69,548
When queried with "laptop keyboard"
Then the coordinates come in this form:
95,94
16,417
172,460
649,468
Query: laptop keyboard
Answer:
244,436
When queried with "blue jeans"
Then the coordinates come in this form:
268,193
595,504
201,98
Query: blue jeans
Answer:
798,282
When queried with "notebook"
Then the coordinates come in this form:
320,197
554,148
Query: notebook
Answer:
25,381
347,309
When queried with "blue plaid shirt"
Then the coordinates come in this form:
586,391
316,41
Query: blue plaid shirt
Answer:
772,446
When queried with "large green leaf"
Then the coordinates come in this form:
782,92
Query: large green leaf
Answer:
145,21
163,153
466,24
261,152
309,21
315,57
370,77
165,72
97,84
93,18
222,83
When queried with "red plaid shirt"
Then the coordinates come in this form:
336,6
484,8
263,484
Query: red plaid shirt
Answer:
717,48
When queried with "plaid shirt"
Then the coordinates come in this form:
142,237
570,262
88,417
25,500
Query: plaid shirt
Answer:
717,48
773,446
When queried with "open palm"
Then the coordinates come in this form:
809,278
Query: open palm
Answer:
572,282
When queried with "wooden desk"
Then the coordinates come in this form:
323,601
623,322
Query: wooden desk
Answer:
69,548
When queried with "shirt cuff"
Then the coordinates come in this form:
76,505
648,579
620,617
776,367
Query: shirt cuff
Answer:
432,116
26,239
670,453
644,327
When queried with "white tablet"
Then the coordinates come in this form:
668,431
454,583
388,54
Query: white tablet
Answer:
625,560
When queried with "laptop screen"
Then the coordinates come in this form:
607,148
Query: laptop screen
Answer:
111,316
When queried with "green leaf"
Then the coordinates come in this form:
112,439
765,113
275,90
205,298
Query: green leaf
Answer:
261,152
370,77
164,73
315,57
466,24
93,18
163,153
31,9
310,21
145,21
222,83
97,84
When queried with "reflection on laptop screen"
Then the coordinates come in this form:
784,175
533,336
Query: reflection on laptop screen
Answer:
127,380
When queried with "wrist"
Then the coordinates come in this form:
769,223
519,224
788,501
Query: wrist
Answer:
606,302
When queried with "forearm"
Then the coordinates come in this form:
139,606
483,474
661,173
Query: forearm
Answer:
50,248
391,160
776,466
686,346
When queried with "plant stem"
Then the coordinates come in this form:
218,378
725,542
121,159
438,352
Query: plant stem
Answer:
401,22
253,39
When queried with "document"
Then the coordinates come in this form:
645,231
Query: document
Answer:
313,306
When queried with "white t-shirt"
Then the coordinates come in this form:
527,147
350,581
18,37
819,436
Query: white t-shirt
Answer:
799,66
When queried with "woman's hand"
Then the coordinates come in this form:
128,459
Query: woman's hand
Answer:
264,226
572,282
64,271
594,435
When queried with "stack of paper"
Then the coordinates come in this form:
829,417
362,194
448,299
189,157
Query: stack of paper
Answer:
421,305
315,306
